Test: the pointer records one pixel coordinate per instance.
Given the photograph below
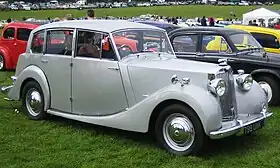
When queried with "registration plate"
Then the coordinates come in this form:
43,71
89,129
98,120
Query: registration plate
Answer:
253,127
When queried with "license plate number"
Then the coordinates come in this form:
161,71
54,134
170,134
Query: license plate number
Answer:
253,127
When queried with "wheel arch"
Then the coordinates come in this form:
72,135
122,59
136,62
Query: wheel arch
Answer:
266,72
159,107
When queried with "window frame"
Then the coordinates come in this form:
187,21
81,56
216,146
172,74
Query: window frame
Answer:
58,29
219,52
3,36
101,46
188,34
17,33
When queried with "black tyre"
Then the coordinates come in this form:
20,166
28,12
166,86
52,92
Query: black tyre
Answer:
33,101
2,63
179,131
273,88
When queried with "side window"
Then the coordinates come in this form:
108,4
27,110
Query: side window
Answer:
37,42
266,40
59,42
185,43
23,34
215,44
9,33
94,45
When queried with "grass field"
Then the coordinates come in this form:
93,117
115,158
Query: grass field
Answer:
186,11
62,143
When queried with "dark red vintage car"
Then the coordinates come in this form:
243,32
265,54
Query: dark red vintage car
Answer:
13,42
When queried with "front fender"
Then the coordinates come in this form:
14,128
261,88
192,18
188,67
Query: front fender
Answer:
250,102
7,56
200,100
270,71
35,73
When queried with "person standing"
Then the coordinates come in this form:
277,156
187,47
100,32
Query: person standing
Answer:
90,15
211,22
203,21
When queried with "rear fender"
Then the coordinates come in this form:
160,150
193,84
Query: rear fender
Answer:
31,73
7,57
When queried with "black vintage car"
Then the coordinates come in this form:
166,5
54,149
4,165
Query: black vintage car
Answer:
240,48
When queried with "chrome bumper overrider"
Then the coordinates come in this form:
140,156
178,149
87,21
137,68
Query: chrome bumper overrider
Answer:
6,89
236,126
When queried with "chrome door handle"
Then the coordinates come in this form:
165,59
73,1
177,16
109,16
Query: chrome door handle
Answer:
44,61
230,60
113,68
15,44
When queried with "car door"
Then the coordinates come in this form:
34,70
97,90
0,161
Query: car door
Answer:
97,86
22,35
185,45
8,40
214,47
56,63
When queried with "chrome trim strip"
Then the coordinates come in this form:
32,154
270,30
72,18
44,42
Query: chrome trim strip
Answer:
233,130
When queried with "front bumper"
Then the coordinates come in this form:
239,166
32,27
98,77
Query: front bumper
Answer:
238,125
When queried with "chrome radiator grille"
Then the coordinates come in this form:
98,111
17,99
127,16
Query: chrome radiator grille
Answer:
228,101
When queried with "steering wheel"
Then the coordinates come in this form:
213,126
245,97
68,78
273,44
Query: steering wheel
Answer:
124,50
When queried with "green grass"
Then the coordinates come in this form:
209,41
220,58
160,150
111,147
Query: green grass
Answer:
65,143
186,11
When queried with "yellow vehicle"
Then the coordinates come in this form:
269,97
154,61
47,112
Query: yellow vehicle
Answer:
267,37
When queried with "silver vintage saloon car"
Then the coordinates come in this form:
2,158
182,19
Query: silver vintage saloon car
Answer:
125,75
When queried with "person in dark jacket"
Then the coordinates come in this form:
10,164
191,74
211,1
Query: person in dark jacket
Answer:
211,22
203,21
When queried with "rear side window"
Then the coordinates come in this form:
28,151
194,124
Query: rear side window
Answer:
37,42
267,40
23,34
59,42
9,33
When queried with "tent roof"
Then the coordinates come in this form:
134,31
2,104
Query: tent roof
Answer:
261,13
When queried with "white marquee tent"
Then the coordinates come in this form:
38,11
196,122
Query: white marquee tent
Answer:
261,13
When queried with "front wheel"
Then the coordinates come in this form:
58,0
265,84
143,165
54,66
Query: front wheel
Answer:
33,101
179,131
272,88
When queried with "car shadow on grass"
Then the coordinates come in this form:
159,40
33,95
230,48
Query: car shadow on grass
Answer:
229,145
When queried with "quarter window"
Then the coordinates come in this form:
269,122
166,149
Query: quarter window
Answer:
37,42
9,33
215,44
267,40
185,43
23,34
59,42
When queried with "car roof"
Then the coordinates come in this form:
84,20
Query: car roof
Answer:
25,24
158,24
220,30
107,26
261,29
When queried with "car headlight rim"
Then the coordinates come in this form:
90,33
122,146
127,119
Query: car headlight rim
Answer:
217,87
245,82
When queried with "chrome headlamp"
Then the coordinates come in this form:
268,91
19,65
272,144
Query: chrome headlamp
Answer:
244,82
217,86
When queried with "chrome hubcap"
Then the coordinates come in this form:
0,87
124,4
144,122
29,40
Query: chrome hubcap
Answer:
33,102
1,62
267,87
178,132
